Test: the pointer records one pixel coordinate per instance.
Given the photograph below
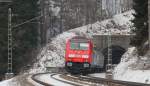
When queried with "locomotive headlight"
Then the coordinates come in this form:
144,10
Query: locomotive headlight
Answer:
85,56
69,64
86,65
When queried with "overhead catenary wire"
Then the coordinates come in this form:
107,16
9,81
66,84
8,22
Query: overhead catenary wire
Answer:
27,21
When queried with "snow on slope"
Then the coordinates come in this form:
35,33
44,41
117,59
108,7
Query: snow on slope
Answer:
119,24
10,82
5,83
132,68
53,54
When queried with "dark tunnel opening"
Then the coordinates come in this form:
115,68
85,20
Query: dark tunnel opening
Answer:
117,53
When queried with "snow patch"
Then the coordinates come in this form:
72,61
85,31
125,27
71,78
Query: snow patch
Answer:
101,75
119,24
9,82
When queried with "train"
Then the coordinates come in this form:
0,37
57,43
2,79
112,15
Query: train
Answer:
81,56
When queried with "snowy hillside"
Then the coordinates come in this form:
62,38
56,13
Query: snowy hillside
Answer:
52,54
119,24
133,68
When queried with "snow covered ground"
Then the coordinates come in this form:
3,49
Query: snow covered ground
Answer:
101,75
57,80
133,68
6,83
47,78
20,80
52,54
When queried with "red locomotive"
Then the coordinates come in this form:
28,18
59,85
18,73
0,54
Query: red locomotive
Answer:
79,56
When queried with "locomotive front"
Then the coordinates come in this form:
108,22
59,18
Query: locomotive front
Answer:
78,54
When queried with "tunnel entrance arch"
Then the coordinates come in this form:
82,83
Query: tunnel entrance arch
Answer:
117,53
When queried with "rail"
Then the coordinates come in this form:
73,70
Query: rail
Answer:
39,81
107,82
52,76
111,82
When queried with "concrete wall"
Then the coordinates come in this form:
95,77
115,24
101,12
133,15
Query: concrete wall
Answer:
101,41
117,41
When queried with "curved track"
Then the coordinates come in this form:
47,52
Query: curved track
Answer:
55,78
110,82
77,80
64,81
39,81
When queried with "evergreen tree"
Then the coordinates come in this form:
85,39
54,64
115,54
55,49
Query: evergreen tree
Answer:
140,22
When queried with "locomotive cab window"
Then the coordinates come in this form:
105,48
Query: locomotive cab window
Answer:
79,46
84,46
74,46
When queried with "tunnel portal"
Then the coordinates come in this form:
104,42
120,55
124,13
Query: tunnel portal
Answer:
117,53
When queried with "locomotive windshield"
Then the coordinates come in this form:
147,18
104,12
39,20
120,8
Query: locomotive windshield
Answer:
79,46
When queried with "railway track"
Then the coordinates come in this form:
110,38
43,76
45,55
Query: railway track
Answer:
89,81
109,82
53,77
71,83
39,81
